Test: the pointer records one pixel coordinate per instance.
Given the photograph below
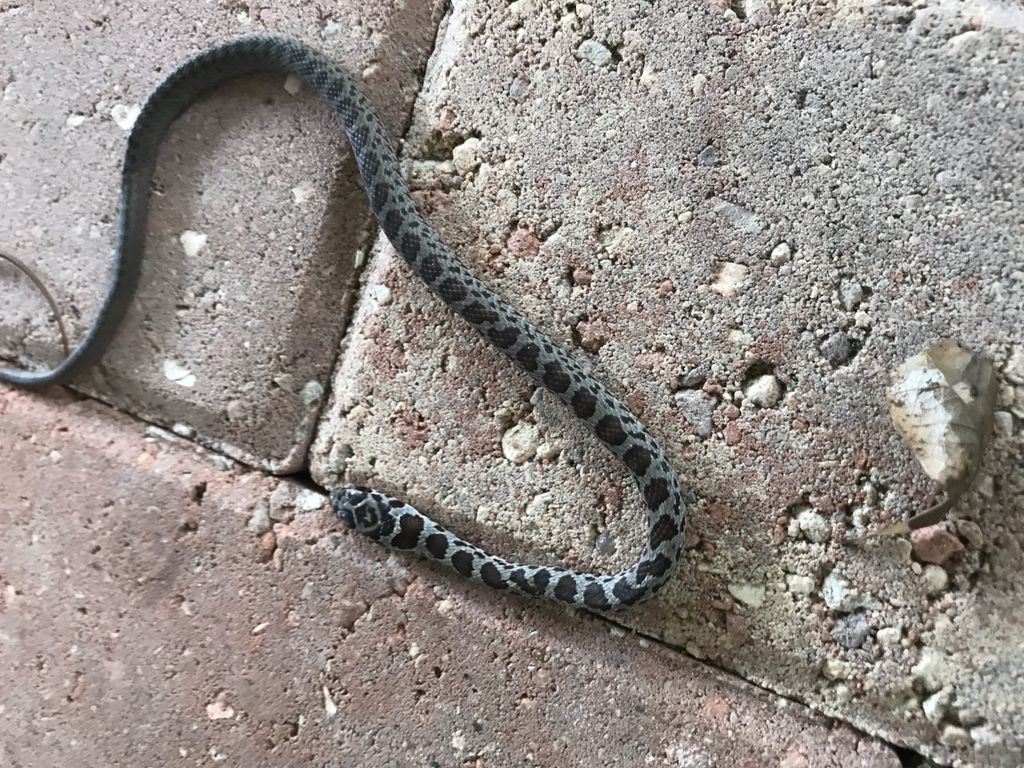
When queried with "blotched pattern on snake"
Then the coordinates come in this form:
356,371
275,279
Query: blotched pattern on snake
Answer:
383,518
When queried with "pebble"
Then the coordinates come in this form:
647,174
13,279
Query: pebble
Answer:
835,669
889,637
707,156
934,544
519,444
192,242
780,255
1015,365
840,597
932,670
936,706
259,520
748,594
594,52
697,408
282,504
466,156
125,115
971,531
740,218
1004,423
838,349
729,278
312,392
764,391
800,585
851,294
851,631
605,544
813,526
308,500
935,579
593,336
268,545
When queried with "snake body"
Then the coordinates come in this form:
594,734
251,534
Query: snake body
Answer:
383,518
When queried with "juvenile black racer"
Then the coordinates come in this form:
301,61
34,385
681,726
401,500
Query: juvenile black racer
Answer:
385,519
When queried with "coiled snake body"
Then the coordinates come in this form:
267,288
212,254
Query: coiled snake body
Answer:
385,519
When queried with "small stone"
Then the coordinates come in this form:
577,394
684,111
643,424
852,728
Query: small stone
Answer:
538,505
219,709
780,255
935,579
800,585
308,500
932,670
729,278
268,545
312,392
178,374
889,637
1003,423
192,242
934,544
523,243
936,706
851,631
699,82
972,532
605,544
593,336
466,156
583,10
183,430
851,294
838,349
765,391
594,52
955,736
841,598
707,156
519,444
697,408
548,450
1014,369
125,115
748,594
835,669
813,526
732,433
292,85
740,218
259,520
282,503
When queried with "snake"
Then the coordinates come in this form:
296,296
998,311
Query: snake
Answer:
384,518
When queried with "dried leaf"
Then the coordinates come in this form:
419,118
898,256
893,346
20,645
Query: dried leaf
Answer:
942,401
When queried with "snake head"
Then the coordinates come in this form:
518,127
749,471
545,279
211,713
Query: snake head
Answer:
358,508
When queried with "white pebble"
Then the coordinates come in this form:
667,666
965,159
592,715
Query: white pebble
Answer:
466,156
520,443
781,254
935,579
748,594
594,52
813,526
192,242
800,585
178,373
764,391
125,115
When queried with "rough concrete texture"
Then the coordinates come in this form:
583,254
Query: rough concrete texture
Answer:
741,216
146,620
257,218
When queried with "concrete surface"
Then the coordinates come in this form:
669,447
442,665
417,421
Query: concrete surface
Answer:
147,618
742,216
257,221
